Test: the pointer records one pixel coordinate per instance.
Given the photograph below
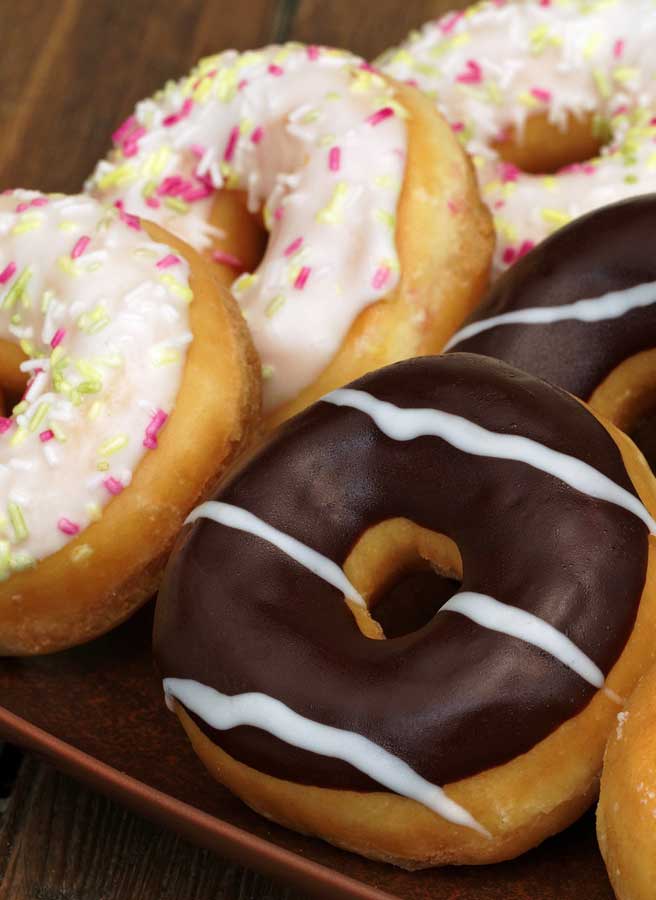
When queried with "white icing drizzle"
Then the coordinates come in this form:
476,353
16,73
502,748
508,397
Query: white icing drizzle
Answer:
609,306
408,424
258,710
497,616
241,519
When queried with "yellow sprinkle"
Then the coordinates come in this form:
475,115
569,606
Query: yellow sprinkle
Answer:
102,465
21,561
58,432
89,387
17,520
155,163
113,445
18,437
67,265
226,82
93,321
274,306
81,553
28,223
176,204
17,290
624,74
149,188
119,175
95,410
176,287
651,160
4,560
27,347
39,416
592,44
112,360
528,100
93,512
19,408
246,126
267,372
164,356
243,283
508,231
333,95
387,218
602,83
550,182
555,217
67,225
332,213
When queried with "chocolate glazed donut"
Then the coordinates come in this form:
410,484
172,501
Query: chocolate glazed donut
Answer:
506,696
580,311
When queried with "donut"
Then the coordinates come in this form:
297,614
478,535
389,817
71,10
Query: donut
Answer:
626,815
377,243
580,311
555,101
143,385
271,655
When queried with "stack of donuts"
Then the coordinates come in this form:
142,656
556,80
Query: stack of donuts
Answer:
319,331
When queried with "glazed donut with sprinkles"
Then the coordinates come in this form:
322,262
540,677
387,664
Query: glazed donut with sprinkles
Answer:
272,657
121,331
555,101
377,243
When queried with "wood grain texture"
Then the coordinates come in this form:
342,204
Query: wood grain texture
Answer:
366,28
59,841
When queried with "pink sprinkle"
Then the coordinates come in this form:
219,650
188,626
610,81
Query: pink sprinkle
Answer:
380,115
412,82
294,246
197,192
184,111
169,260
227,259
58,337
454,207
5,424
80,246
499,204
242,84
130,144
7,272
22,207
541,94
229,151
448,23
334,159
366,67
457,126
473,73
508,172
154,426
113,485
618,49
47,435
509,255
171,186
123,129
277,213
39,201
275,70
302,277
127,218
257,135
380,277
312,52
525,248
153,202
67,526
198,150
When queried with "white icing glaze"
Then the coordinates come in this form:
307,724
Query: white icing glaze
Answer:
236,517
494,65
105,327
408,424
609,306
222,712
497,616
318,142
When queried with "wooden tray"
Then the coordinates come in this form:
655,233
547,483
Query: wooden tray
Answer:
97,712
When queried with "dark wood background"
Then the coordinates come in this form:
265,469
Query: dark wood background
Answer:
70,70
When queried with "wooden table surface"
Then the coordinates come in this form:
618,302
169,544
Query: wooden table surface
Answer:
71,70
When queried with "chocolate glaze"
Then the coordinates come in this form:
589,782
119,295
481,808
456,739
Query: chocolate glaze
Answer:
452,698
610,249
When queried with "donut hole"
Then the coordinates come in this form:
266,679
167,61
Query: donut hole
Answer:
405,574
240,239
544,148
628,398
